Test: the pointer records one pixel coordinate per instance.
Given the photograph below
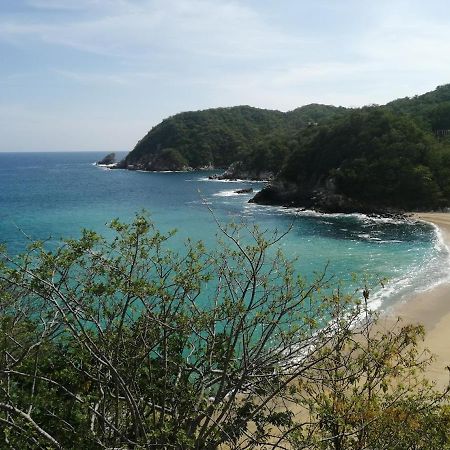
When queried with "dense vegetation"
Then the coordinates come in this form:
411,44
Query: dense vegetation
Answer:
221,136
431,109
124,344
370,159
373,158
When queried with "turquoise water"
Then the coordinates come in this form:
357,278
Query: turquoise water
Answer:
54,195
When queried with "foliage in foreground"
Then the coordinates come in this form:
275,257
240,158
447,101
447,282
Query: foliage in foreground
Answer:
126,344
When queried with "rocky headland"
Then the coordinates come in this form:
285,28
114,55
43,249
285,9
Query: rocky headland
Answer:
376,159
108,160
323,199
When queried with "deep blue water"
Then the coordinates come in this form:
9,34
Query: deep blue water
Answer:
54,195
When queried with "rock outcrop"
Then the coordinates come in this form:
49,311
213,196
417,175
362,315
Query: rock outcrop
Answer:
237,171
322,198
244,191
109,159
168,160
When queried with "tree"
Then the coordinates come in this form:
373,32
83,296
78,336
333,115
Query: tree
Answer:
371,391
150,357
127,344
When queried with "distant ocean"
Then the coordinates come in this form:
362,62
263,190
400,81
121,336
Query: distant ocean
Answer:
54,195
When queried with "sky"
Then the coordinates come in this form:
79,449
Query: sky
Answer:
98,74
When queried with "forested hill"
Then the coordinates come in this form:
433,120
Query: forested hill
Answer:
369,161
219,137
331,158
431,109
372,159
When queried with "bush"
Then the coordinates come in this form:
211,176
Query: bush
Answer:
126,344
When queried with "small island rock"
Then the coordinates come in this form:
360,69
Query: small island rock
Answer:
107,160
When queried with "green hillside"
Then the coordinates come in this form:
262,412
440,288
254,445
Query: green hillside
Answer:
372,159
219,137
333,158
369,160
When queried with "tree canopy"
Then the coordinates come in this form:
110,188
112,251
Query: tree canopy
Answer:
375,157
222,136
391,156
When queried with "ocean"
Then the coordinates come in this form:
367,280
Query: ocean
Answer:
50,196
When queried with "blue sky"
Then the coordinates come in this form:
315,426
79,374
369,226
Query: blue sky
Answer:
98,74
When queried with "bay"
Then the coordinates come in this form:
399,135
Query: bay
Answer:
54,195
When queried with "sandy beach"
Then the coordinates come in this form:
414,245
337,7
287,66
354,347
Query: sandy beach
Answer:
432,309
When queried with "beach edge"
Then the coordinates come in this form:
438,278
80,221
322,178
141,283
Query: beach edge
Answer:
431,308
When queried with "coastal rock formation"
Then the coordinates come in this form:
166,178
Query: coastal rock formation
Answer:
168,160
238,171
321,199
109,159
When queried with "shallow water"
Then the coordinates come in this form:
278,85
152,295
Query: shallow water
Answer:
54,195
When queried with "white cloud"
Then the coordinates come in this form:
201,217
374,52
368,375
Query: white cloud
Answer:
409,37
78,5
159,28
93,78
118,79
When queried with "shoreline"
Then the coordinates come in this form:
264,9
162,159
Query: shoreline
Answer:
431,308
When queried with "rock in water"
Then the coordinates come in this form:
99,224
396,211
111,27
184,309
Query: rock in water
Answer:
107,160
